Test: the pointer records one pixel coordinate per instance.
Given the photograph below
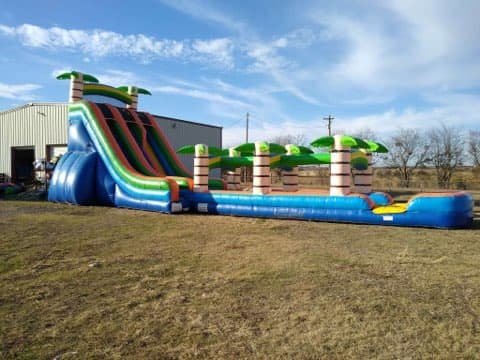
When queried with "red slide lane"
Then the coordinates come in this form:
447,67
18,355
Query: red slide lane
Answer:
146,145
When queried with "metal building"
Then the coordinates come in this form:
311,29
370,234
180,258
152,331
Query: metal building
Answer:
39,131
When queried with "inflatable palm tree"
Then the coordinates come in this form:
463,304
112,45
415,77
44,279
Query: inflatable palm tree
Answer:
134,91
76,83
363,178
340,168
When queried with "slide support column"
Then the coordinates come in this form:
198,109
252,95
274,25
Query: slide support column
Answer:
76,88
261,169
290,177
363,179
340,168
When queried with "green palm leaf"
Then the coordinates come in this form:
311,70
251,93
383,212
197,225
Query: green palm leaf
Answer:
143,91
212,150
137,91
90,78
76,74
186,150
249,148
353,142
246,149
376,147
350,141
324,141
123,88
215,151
298,149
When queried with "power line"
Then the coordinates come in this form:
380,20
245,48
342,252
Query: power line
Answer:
329,118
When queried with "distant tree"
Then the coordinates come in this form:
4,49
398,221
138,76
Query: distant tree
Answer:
446,146
408,150
474,147
365,133
299,139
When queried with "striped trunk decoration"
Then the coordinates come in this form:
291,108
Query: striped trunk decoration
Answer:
231,180
76,88
237,172
340,168
132,91
200,168
261,169
290,177
236,178
363,178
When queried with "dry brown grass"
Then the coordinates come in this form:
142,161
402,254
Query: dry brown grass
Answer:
84,282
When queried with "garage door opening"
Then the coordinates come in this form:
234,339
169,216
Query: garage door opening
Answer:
22,164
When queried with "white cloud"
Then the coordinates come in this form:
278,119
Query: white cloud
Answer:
22,92
101,43
202,11
219,50
263,55
199,94
460,110
115,77
403,45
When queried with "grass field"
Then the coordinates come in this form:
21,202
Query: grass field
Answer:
92,282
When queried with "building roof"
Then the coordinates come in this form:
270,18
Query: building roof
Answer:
20,107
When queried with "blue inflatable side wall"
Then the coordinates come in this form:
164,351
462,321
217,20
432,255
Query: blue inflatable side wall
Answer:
440,211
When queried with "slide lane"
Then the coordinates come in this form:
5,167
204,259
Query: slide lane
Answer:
131,144
131,182
127,142
136,126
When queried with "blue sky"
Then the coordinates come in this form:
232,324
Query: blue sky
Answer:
372,64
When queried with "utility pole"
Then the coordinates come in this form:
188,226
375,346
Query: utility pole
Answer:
246,129
329,118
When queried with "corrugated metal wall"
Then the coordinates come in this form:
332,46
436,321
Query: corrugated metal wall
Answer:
35,125
40,125
187,133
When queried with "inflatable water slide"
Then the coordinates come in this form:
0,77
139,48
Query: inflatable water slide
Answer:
118,156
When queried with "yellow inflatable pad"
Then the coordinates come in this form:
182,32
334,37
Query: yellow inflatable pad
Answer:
391,209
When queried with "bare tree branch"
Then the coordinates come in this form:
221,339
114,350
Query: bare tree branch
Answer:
299,139
408,150
446,150
474,147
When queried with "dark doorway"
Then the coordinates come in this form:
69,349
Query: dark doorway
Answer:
22,164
